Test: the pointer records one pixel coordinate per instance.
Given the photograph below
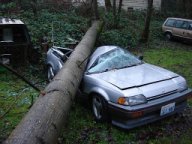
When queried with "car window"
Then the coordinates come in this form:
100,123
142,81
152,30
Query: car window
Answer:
190,26
6,34
179,24
114,59
185,25
170,22
182,24
12,34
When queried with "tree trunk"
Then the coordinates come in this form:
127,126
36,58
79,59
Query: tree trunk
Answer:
95,10
114,13
108,5
43,123
145,34
119,13
19,3
34,7
185,8
119,8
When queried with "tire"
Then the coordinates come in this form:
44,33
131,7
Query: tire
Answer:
50,73
99,108
168,36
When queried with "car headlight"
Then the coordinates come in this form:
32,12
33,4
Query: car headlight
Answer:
132,100
182,88
181,82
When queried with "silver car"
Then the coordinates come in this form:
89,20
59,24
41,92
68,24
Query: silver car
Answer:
129,92
56,57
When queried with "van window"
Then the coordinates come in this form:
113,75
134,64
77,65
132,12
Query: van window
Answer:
179,24
190,26
7,35
12,34
170,22
185,25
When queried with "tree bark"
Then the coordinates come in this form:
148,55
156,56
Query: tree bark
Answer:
95,10
108,5
119,8
43,123
34,7
114,13
145,34
119,13
19,3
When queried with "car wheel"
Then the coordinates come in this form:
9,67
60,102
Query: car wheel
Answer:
168,36
99,106
50,73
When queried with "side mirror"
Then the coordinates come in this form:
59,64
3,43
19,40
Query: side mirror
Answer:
140,57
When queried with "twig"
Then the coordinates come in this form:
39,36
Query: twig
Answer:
21,77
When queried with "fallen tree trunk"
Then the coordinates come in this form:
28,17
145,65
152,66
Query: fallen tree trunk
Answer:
44,121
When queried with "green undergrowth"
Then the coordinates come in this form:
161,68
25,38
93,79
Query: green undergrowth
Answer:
15,100
62,28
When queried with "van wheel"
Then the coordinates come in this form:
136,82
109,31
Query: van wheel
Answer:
168,36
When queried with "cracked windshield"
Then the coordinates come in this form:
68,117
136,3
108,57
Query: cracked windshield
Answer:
114,59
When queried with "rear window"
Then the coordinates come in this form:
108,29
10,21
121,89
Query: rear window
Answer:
170,22
12,34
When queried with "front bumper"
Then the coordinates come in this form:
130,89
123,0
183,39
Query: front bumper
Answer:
128,117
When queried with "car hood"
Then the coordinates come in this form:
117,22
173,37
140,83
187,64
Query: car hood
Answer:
135,76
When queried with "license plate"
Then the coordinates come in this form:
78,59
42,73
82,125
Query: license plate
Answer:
167,109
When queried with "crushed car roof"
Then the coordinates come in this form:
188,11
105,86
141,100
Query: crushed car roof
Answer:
5,21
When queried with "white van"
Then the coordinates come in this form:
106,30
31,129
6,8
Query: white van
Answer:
15,40
177,27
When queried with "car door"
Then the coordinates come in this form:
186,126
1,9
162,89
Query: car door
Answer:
185,27
178,30
188,31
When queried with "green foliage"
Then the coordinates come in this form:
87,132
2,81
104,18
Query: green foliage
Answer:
7,6
65,25
15,99
177,8
115,37
126,34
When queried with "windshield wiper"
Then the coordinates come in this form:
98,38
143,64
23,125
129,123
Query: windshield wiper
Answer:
97,71
131,65
106,70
